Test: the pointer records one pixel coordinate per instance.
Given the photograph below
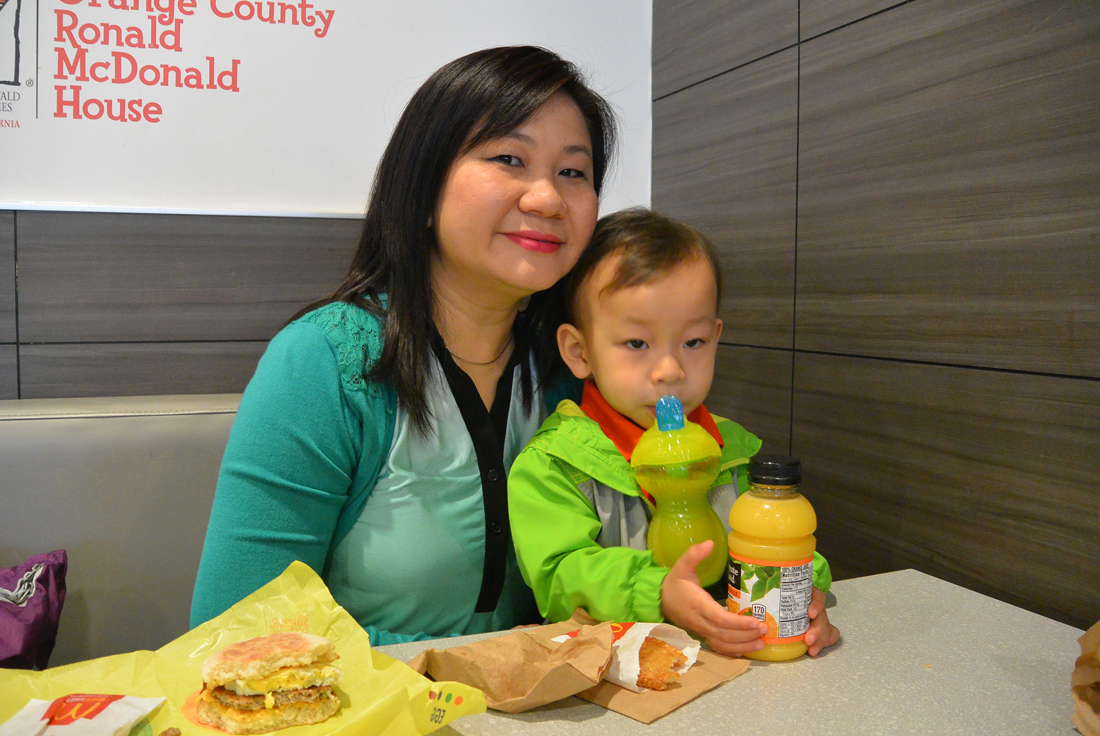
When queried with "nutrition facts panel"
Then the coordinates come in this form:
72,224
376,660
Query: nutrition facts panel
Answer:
795,592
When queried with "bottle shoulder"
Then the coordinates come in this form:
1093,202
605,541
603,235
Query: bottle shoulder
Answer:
758,515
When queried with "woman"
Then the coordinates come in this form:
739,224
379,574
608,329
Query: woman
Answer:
374,440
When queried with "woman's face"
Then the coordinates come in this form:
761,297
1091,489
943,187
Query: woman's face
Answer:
516,212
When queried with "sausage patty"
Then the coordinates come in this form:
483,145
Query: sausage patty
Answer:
282,697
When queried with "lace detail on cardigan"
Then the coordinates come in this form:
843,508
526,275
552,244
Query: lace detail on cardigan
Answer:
356,338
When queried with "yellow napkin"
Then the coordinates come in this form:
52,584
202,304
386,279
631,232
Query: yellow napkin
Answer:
378,694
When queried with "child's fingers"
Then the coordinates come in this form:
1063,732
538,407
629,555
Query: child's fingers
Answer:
731,634
690,559
817,602
822,634
734,650
720,618
734,642
820,641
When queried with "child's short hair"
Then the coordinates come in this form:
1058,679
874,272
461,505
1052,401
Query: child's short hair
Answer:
650,245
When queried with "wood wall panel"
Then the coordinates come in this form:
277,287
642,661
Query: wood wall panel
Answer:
724,160
948,178
87,277
9,383
137,369
752,386
697,39
988,479
820,16
7,276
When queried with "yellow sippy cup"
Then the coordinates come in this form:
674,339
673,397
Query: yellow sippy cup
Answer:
676,461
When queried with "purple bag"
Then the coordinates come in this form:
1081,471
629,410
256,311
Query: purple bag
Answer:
31,597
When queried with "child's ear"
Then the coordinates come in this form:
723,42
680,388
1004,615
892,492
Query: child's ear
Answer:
717,329
572,349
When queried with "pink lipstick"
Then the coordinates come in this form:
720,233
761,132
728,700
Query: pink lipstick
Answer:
533,240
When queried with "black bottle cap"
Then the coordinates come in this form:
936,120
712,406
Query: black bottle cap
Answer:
775,470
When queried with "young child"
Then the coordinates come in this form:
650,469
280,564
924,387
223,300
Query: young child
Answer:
642,309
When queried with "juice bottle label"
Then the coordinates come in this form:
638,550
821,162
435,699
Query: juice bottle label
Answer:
777,593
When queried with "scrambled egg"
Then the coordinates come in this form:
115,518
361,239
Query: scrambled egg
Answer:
288,678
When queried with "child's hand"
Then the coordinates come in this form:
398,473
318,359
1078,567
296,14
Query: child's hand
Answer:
685,604
822,634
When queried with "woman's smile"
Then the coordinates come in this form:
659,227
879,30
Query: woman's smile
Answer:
535,241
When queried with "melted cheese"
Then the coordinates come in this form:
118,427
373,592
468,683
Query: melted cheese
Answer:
288,678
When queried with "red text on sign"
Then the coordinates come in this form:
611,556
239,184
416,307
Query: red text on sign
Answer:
92,108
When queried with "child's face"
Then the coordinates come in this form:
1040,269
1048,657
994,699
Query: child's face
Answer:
644,342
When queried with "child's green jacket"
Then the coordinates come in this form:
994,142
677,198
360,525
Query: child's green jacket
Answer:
579,519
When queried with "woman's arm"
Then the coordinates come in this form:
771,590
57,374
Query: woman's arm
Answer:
285,474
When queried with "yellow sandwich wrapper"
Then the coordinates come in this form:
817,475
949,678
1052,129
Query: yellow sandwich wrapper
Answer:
378,694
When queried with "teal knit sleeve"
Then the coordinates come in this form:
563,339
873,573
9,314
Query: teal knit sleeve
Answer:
285,474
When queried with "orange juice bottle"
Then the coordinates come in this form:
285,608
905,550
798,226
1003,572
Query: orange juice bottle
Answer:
771,546
676,461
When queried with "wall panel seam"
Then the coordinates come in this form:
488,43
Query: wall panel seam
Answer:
148,342
906,361
15,285
794,264
849,23
726,71
941,364
797,43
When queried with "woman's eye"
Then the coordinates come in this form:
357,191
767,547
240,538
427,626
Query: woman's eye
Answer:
508,159
636,344
574,174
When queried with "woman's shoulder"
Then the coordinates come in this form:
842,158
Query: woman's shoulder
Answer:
345,322
353,333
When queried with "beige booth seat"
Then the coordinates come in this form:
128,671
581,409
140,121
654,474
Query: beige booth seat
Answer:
124,485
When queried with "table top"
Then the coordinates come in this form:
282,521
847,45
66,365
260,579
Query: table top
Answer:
917,656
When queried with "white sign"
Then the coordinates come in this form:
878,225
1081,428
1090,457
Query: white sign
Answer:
261,107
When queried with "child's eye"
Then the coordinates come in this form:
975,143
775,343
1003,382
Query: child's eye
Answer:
636,344
697,342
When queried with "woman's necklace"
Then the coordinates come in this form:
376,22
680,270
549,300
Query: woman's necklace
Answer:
488,362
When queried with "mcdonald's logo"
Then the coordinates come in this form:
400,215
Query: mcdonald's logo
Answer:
618,629
69,708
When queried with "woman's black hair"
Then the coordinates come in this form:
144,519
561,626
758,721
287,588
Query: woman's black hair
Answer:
474,99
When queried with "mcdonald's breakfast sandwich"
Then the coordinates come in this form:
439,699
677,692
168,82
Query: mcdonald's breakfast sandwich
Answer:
270,682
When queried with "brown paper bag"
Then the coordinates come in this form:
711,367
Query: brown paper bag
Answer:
526,669
709,671
516,673
1085,684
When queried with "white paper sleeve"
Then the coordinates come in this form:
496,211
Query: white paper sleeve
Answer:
625,665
